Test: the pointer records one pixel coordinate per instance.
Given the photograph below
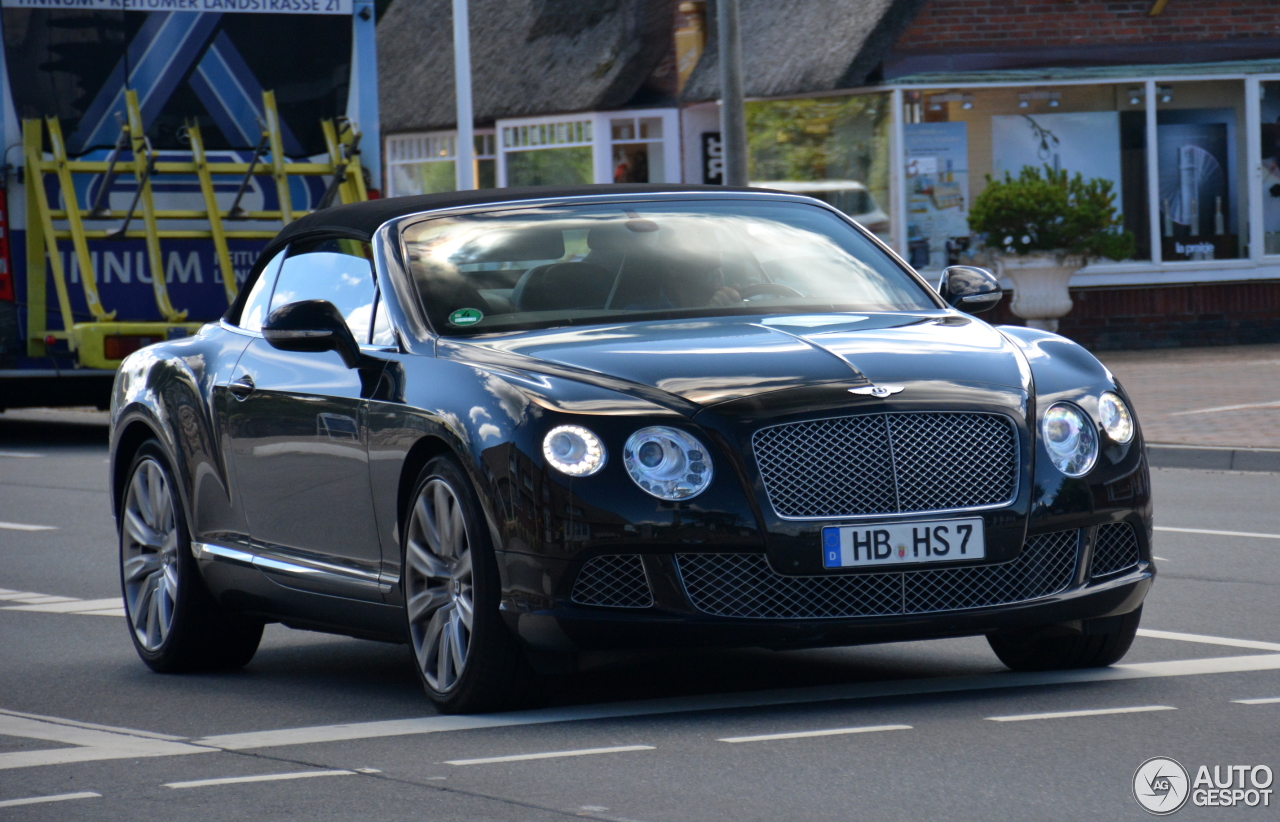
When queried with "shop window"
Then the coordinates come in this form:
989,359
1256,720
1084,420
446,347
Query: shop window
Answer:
425,163
833,148
637,150
548,153
1270,117
1202,191
954,139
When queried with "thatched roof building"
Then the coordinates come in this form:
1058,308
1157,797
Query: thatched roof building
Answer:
801,46
528,57
534,57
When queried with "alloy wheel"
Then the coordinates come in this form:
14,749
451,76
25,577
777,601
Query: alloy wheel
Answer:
439,584
149,554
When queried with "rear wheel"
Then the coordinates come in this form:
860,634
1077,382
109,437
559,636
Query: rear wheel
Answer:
174,621
466,658
1042,650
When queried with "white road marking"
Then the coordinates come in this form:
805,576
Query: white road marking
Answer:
752,699
48,604
266,777
807,734
36,599
550,755
1217,533
1161,559
1069,714
72,606
1211,640
1271,700
57,720
20,454
90,743
36,800
1242,407
22,526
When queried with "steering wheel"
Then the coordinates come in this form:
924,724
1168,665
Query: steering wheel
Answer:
777,289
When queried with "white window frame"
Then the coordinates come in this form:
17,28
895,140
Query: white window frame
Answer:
429,147
600,139
1256,266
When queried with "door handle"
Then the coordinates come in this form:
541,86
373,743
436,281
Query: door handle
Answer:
242,387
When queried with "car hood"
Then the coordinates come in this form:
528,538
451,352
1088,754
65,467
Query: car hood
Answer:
709,361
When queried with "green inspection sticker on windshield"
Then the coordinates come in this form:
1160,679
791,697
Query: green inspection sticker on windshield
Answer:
466,316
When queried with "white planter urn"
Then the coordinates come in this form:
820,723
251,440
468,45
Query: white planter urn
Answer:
1040,294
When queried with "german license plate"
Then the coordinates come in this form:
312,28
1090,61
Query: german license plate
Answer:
942,540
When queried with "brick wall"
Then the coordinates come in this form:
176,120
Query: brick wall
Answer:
974,25
1171,316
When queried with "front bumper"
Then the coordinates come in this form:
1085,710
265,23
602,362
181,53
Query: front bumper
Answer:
679,616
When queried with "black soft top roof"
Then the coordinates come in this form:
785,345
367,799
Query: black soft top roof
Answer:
360,220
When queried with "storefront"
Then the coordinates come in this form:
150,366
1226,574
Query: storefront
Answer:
1192,152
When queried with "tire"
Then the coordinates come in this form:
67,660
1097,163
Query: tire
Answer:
450,573
175,624
1038,650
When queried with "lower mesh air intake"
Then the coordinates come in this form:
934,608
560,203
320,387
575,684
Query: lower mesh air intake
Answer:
614,581
1115,549
745,585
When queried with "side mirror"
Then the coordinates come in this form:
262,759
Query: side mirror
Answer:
311,325
969,289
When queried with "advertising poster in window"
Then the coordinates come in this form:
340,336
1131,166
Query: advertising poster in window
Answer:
937,177
1084,142
1196,163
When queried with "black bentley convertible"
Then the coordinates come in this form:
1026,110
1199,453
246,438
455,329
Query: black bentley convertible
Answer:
509,426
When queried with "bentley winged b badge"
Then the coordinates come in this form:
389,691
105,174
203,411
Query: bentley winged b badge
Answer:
877,390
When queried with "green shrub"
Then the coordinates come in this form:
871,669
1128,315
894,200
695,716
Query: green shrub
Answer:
1051,212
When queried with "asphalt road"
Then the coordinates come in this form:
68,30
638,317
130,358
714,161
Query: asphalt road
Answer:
655,738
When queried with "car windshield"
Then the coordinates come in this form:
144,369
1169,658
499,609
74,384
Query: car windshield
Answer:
595,263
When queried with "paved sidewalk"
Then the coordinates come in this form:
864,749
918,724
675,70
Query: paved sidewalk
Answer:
1223,396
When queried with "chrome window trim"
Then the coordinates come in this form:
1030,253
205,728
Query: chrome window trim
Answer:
932,512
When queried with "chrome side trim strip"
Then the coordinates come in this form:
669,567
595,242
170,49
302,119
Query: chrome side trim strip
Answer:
221,553
315,570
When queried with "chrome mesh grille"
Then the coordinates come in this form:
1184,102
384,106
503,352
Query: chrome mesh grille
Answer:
1115,549
1045,566
888,463
745,585
614,581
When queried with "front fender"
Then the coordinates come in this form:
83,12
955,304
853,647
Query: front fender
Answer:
1063,371
170,389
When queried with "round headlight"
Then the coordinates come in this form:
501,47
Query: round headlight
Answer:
1070,439
573,450
667,463
1115,417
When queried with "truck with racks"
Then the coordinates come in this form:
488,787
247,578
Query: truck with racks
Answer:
149,157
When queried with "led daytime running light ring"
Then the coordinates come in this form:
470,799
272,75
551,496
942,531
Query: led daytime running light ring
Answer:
573,450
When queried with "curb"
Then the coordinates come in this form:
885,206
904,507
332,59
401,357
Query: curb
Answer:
1213,458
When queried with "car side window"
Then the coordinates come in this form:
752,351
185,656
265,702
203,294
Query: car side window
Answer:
254,313
337,270
382,333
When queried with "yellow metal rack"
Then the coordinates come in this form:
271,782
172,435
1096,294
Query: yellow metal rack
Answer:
47,225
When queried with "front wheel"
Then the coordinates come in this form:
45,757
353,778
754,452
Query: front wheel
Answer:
466,658
173,619
1042,650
